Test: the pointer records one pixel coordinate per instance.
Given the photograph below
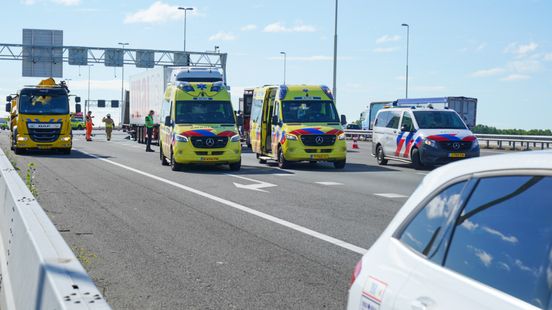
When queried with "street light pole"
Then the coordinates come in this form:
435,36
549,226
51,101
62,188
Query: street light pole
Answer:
185,11
87,103
123,74
335,55
285,56
407,47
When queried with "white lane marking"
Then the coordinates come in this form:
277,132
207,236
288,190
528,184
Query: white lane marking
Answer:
299,228
421,173
391,195
329,183
257,186
283,174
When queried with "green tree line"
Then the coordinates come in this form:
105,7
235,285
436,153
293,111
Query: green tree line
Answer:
484,129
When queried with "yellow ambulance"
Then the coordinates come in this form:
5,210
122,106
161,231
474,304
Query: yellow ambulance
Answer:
292,123
199,126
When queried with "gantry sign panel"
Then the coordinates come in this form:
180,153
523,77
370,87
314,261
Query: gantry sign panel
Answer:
42,53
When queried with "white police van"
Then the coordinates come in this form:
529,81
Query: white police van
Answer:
424,137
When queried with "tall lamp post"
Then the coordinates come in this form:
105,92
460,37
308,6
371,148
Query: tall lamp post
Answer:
335,55
407,46
285,56
185,11
123,74
87,103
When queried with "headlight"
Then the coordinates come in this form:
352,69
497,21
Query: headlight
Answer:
291,137
65,139
21,139
181,138
235,138
430,142
341,136
475,144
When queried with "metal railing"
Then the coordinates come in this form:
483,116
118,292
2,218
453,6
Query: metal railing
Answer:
485,140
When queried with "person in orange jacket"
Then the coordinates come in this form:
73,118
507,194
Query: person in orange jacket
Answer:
89,125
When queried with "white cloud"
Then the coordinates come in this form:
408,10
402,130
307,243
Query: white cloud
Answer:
249,27
480,47
67,2
511,239
385,49
515,77
484,257
28,2
388,38
525,66
280,27
222,36
157,13
488,72
521,49
548,57
471,226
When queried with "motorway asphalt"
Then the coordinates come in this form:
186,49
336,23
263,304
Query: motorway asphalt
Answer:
208,238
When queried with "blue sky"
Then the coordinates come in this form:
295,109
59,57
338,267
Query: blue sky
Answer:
499,51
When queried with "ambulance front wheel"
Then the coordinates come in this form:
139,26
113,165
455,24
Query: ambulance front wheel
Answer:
174,165
235,166
283,163
340,164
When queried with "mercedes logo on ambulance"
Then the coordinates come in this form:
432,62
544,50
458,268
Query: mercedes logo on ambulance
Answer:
456,145
319,140
210,142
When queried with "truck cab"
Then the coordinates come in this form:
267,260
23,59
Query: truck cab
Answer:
293,123
40,118
199,126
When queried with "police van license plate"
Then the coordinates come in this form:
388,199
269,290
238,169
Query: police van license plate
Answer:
209,158
457,155
320,156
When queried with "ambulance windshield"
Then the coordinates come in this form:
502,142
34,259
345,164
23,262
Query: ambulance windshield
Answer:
309,111
204,112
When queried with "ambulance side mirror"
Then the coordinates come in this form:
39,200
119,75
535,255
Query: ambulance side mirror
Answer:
343,120
168,121
77,99
8,107
9,98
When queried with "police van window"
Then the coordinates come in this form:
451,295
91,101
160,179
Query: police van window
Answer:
503,237
423,233
382,119
407,122
438,120
393,121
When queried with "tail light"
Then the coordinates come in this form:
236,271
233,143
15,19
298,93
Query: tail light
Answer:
356,272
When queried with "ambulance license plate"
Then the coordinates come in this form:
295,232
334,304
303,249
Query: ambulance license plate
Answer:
44,147
320,156
209,158
457,155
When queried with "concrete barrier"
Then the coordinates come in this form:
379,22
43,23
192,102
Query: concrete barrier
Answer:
38,270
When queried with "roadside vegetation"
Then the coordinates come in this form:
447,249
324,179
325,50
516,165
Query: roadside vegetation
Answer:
484,129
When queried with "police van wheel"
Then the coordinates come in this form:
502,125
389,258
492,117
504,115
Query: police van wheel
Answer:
235,166
416,162
380,157
162,156
174,165
340,164
282,162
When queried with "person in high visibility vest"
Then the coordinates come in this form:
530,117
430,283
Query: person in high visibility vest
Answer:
108,126
149,130
89,126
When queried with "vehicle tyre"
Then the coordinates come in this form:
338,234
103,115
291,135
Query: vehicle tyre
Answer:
235,166
66,151
340,164
416,162
174,165
282,162
79,127
162,157
261,161
380,157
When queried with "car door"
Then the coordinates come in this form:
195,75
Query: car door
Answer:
391,133
496,253
406,134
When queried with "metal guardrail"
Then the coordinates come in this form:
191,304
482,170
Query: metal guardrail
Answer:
38,270
525,142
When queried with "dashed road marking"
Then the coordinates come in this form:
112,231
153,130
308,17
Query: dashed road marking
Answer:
284,174
237,206
390,195
329,183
